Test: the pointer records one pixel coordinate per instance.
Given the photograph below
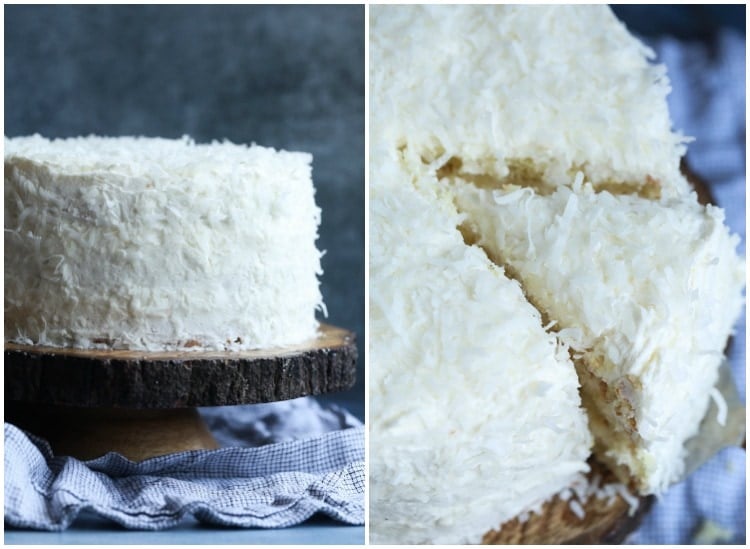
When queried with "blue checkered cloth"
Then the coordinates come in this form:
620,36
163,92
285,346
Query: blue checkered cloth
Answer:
708,103
280,483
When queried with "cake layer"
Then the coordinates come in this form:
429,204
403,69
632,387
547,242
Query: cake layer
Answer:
508,89
646,292
157,244
475,415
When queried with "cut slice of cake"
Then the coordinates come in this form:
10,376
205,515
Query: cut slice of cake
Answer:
156,244
475,414
646,292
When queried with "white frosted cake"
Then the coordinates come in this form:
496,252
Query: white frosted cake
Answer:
511,89
158,244
475,415
505,111
645,292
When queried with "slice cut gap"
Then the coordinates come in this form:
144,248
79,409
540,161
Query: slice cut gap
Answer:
609,408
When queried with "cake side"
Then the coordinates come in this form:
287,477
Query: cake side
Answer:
156,244
564,88
475,415
646,292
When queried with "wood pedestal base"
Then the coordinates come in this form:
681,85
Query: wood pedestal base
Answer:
88,433
88,402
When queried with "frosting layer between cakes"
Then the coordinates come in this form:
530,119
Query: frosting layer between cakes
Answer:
157,244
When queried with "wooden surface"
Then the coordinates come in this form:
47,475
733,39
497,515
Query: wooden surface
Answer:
133,379
88,433
606,522
701,188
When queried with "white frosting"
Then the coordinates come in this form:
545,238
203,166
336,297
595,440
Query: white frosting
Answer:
649,290
566,86
474,409
153,244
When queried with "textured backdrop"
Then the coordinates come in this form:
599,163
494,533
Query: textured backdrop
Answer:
289,77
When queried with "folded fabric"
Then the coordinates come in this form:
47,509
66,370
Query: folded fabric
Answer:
708,103
259,424
274,485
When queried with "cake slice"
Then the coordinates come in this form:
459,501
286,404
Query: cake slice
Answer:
645,292
158,244
475,414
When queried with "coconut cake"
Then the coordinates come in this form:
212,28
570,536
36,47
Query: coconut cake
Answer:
645,292
475,414
158,244
506,110
512,91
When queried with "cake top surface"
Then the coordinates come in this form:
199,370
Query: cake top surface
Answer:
564,86
143,157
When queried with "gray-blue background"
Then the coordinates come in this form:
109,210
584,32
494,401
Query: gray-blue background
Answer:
289,77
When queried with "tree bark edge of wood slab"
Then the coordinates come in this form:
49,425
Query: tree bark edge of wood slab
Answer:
606,521
180,380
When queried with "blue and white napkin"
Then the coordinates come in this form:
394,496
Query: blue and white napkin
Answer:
284,462
708,103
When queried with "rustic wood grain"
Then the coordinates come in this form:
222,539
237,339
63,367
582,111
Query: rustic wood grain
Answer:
701,188
605,522
88,433
132,379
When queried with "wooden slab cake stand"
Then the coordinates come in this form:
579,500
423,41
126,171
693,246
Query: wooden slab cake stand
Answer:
606,521
141,404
